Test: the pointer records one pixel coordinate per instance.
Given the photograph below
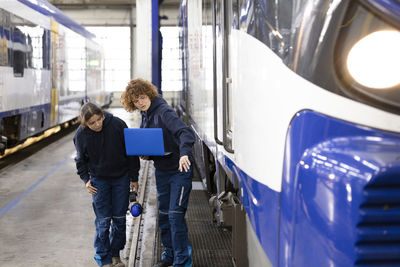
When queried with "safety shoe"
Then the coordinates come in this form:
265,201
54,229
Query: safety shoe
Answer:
162,264
116,262
188,263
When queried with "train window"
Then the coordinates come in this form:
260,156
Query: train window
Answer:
9,58
35,46
235,14
28,45
45,49
268,21
5,41
19,46
19,52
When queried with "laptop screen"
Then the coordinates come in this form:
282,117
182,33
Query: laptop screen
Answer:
144,142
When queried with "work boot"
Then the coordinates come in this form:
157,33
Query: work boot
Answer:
188,263
116,262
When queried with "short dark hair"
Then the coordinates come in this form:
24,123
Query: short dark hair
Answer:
134,89
87,111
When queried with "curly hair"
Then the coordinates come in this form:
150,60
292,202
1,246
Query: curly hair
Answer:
134,89
87,111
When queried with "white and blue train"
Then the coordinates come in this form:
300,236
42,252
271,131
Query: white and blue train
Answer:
49,66
296,104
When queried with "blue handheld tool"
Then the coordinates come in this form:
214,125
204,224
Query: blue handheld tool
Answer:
134,207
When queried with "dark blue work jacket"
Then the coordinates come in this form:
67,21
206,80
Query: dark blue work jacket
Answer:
178,137
102,154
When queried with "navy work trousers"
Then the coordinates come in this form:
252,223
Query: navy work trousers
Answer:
110,205
173,190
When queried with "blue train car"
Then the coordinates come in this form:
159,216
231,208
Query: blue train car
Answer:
49,66
296,106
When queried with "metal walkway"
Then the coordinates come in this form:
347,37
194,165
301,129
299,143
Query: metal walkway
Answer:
211,244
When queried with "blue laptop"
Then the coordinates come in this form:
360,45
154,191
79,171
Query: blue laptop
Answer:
144,142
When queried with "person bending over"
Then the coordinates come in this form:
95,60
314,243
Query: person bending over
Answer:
108,173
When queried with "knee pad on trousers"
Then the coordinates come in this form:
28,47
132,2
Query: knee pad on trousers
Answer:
103,226
177,219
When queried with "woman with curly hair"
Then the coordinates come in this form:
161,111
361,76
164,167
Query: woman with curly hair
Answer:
174,171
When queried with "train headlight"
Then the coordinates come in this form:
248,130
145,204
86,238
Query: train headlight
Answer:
368,53
372,66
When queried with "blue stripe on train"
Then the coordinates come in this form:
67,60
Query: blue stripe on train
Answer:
33,119
262,207
51,11
14,112
327,164
36,119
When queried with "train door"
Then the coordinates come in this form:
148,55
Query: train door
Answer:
223,126
54,72
230,212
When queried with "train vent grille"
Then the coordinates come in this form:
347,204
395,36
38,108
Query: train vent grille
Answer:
378,231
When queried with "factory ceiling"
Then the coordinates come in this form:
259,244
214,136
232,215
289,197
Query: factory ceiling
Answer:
114,12
92,3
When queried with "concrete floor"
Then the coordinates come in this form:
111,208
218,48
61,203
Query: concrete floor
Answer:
46,216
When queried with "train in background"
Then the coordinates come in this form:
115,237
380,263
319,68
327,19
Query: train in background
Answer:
296,107
49,66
